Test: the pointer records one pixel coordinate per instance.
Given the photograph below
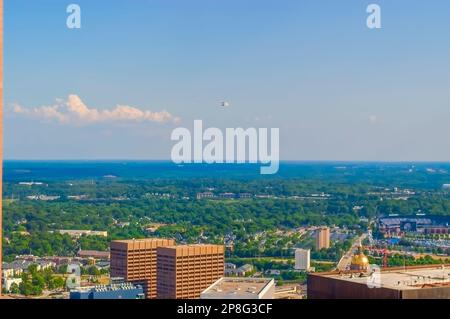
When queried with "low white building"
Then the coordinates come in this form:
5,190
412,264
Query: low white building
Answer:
78,233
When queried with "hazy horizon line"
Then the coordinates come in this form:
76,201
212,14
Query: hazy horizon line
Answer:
169,160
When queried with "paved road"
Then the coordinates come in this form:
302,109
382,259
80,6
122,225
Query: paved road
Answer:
344,263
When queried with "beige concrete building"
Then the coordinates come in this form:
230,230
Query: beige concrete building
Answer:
185,271
322,238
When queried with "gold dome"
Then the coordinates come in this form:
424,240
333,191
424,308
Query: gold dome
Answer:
360,260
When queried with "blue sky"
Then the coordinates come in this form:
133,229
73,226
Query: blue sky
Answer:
336,89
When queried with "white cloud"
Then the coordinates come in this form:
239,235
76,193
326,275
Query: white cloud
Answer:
75,111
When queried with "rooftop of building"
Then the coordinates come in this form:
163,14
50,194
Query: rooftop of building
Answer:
93,253
137,240
193,246
246,267
111,287
144,243
399,278
24,264
238,287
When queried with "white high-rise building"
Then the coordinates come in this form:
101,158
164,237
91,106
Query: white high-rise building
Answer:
302,259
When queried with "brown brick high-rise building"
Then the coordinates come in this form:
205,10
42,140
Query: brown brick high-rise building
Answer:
185,271
135,261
